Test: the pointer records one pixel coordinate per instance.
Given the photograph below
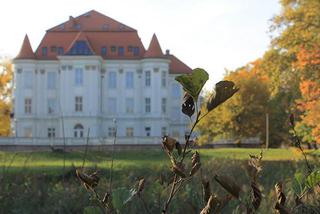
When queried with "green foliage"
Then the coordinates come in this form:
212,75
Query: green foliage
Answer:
193,83
241,116
313,179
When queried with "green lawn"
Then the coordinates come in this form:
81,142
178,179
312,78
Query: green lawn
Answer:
33,182
48,161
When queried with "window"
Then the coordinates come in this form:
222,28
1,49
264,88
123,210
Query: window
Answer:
60,51
78,104
136,51
44,51
27,106
112,105
120,51
51,106
53,48
176,93
112,79
176,133
148,78
28,79
163,105
27,132
77,26
163,131
163,79
79,77
129,105
111,131
147,131
129,80
78,130
113,48
148,105
51,80
129,132
51,132
130,48
104,51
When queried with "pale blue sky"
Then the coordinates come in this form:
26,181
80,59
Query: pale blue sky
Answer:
212,34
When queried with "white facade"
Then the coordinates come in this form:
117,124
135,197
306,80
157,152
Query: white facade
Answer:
68,96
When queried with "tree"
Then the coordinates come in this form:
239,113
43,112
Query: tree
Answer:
244,114
5,96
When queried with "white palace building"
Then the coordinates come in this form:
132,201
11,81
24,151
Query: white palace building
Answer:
90,70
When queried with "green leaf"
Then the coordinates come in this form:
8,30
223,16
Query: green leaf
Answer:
223,91
92,210
313,179
298,183
193,83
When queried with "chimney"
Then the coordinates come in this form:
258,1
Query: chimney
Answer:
70,17
167,52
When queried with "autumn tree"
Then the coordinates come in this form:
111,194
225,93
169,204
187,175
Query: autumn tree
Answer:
243,115
5,97
298,27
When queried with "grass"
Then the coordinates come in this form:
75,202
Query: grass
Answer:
51,162
31,182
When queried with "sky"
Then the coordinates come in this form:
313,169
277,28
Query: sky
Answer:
211,34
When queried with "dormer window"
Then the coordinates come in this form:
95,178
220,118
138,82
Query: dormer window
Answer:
120,51
136,51
60,51
105,27
104,51
53,48
77,26
44,51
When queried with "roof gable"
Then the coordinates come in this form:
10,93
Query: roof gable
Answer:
80,46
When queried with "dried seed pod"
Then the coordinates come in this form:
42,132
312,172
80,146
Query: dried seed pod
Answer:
141,186
281,199
179,148
195,168
257,196
106,198
195,158
254,166
206,190
178,170
169,143
211,205
89,181
223,91
228,185
188,107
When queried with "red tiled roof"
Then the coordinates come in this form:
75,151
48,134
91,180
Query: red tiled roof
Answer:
154,50
26,51
97,40
98,31
91,21
177,66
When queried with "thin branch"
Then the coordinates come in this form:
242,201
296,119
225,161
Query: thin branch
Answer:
85,150
144,204
112,156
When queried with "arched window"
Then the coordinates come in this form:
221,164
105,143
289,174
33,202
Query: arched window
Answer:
78,130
